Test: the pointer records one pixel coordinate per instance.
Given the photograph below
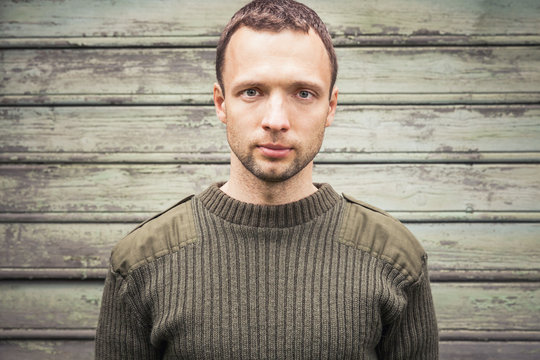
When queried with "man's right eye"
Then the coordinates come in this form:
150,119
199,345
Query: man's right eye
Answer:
250,92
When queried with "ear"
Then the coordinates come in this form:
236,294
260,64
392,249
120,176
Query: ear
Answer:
332,107
219,103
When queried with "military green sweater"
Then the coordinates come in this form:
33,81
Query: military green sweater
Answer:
326,277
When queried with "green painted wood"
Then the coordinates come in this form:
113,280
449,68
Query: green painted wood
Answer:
47,350
179,22
59,245
465,350
223,158
105,74
464,306
481,246
379,132
84,350
394,187
419,99
485,304
497,247
47,304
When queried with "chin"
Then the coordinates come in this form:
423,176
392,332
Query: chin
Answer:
274,175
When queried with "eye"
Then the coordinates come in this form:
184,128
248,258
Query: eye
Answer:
304,94
250,92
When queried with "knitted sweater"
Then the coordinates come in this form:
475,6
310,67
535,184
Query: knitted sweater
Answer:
325,277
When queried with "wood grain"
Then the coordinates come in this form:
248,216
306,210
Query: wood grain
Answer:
78,22
465,350
169,133
47,350
151,188
497,247
108,76
464,306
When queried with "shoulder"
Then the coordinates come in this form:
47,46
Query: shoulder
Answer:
160,235
373,230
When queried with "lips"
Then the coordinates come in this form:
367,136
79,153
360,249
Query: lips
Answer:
275,151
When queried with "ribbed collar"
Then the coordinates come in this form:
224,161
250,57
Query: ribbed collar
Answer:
286,215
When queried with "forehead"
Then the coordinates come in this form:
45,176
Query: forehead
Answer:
254,55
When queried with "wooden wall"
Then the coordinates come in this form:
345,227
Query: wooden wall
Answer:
106,118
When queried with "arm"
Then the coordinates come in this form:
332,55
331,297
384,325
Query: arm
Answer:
413,334
121,333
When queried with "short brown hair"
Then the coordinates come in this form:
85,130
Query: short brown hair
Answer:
275,15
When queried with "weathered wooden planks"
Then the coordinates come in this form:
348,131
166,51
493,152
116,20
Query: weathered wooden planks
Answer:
46,304
59,245
75,305
167,133
480,246
47,350
76,23
509,248
107,76
482,305
466,350
395,187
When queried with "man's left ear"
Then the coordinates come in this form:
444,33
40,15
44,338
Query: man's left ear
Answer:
332,106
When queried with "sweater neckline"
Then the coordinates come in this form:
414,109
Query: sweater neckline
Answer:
273,216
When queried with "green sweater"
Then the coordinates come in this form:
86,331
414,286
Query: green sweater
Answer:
326,277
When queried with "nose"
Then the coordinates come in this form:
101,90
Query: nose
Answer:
275,117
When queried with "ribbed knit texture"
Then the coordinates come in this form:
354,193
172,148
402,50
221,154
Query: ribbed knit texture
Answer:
267,282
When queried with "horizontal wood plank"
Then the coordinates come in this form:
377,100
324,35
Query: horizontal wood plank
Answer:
394,187
449,350
464,350
47,349
105,74
490,98
129,22
488,247
169,133
455,157
462,306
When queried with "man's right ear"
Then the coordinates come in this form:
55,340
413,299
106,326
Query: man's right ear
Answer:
219,103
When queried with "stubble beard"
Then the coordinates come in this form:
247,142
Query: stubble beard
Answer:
274,175
248,159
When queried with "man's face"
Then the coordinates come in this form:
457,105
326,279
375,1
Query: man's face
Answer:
277,102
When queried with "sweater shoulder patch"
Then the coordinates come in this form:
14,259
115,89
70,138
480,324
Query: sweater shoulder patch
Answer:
160,235
375,231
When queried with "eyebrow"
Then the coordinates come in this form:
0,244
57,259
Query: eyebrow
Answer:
246,85
308,84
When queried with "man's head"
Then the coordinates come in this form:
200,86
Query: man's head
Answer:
279,91
275,16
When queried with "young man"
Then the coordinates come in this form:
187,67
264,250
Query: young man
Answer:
269,265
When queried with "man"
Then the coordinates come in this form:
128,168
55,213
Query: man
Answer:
268,265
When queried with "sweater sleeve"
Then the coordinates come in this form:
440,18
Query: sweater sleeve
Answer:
120,333
413,334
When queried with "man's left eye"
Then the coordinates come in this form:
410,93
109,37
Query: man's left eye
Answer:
304,94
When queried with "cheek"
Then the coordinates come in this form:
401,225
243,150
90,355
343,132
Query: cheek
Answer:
313,119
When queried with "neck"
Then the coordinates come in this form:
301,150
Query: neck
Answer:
246,187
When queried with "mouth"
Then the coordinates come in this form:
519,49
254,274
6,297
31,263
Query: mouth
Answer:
275,151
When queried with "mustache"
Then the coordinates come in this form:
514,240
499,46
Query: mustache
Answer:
274,139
